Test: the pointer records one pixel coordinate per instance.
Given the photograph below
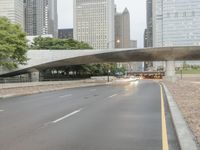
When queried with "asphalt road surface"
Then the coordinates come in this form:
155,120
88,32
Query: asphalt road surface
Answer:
124,116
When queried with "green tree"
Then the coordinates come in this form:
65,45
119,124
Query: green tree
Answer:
13,44
58,44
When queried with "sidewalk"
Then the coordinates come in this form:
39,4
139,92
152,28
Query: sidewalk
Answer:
187,95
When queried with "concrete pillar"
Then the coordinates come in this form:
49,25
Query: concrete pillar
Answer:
170,73
34,76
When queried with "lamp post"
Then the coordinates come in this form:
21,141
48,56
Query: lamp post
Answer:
109,75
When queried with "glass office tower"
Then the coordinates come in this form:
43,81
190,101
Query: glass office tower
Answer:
176,22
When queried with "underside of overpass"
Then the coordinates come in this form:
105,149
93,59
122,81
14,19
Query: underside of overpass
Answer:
41,59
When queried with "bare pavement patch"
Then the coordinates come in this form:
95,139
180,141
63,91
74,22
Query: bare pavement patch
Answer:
187,95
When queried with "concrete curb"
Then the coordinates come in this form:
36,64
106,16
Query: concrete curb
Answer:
185,137
45,83
55,89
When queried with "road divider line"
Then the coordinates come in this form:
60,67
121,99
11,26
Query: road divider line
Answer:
67,116
63,96
112,95
1,110
165,144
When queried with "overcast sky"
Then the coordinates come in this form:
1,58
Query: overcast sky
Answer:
137,10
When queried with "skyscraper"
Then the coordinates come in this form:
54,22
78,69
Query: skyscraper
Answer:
122,29
52,18
41,17
149,31
94,22
176,22
122,38
13,10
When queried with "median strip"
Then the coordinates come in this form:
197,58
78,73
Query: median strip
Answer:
67,116
185,137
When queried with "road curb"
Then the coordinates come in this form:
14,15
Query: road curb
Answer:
185,137
52,90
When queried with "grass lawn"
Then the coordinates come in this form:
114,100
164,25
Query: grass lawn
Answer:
192,71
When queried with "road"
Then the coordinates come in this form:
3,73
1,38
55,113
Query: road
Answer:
123,116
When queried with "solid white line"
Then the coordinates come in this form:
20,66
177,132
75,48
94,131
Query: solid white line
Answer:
1,110
66,96
67,116
113,95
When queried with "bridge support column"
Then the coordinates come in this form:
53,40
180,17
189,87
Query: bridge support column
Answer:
170,73
34,76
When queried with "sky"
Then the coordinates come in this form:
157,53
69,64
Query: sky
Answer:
137,9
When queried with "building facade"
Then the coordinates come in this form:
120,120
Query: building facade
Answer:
122,29
41,17
133,43
149,20
148,33
13,10
65,33
94,22
145,38
52,18
176,22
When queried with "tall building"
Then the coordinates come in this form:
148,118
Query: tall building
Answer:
13,10
149,20
148,33
94,22
123,40
65,33
176,22
41,17
52,18
122,29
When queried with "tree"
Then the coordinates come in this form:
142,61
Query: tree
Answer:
58,44
13,44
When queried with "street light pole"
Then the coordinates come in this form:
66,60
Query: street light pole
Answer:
108,75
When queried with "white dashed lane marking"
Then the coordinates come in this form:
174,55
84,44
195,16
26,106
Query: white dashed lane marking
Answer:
63,96
112,95
67,116
93,90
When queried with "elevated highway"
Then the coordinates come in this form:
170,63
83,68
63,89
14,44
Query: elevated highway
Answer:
41,59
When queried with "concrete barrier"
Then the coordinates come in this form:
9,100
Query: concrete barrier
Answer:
19,89
31,84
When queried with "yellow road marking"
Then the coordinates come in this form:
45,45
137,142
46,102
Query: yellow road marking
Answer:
165,145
